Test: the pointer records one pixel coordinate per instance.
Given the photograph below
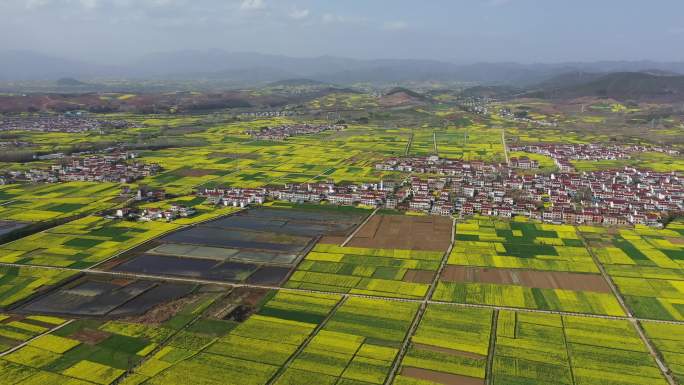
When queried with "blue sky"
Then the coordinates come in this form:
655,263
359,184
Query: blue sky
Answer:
452,30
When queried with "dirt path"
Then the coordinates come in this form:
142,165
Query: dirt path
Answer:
635,322
492,348
434,142
306,342
164,278
349,238
408,145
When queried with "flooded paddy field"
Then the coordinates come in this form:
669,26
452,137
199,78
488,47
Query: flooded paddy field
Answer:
259,246
102,297
188,267
7,227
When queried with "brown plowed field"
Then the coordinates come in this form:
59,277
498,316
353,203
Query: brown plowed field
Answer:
90,336
419,276
332,240
528,278
405,232
439,377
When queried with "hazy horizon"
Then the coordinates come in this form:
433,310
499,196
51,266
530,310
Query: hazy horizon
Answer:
522,31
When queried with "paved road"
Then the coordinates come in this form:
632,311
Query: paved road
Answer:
118,274
503,141
434,142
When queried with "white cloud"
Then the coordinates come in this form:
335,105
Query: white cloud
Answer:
394,25
299,14
248,5
33,4
89,4
329,18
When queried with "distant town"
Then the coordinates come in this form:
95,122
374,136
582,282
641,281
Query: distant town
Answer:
611,197
116,168
285,131
73,122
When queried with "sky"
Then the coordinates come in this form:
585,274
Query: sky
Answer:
460,31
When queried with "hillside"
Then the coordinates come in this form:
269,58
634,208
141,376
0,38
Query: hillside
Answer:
618,86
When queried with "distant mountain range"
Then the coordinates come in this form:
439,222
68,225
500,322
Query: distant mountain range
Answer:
250,69
648,85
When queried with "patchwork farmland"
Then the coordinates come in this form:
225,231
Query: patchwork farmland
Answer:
520,264
286,294
259,246
646,266
460,232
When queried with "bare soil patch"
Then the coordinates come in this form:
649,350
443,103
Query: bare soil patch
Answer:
90,336
428,233
439,377
332,240
419,276
452,352
165,311
676,241
528,278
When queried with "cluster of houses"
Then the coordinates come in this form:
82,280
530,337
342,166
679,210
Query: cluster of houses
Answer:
154,213
475,105
523,163
267,114
611,197
368,194
522,117
285,131
116,167
60,123
621,196
562,154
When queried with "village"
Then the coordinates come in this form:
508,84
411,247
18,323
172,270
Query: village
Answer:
70,122
613,197
562,154
285,131
148,214
119,167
